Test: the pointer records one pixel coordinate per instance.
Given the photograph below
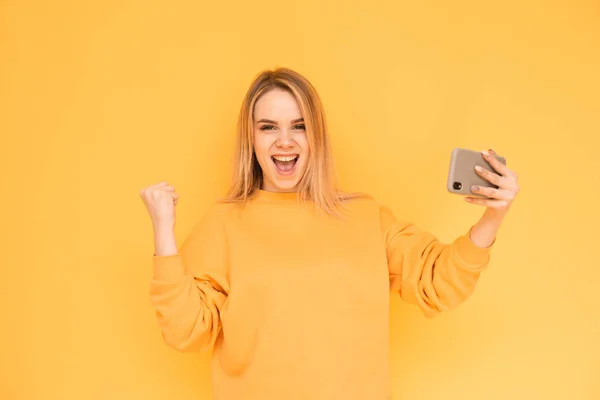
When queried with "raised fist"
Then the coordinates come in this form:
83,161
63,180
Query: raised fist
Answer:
160,200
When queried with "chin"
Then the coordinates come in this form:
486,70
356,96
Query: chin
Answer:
288,186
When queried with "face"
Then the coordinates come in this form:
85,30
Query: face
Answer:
280,141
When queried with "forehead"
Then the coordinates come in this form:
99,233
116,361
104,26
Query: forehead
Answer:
277,104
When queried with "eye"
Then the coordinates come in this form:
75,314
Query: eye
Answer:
267,127
300,127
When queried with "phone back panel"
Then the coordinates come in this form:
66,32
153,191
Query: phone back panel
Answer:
462,174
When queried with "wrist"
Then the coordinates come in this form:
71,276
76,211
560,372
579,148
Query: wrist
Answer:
164,242
163,226
493,215
483,233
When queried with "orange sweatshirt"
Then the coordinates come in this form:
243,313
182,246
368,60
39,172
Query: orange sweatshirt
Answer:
296,304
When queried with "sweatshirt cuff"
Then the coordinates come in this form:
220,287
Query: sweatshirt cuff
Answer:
168,268
471,255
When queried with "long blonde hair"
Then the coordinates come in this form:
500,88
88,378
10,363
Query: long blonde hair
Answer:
319,182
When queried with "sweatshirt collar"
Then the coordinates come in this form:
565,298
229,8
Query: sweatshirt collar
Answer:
277,197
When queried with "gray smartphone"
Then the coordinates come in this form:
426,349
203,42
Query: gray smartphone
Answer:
462,174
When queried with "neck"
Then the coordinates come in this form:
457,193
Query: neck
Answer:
277,197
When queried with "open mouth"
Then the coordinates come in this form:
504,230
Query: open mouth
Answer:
284,164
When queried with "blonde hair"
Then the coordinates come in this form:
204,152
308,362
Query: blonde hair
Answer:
319,182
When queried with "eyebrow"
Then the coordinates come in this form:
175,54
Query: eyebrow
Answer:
268,121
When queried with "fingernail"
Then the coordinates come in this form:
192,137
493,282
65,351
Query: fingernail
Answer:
485,152
478,168
474,188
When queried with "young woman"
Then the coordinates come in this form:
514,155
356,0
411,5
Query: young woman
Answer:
288,279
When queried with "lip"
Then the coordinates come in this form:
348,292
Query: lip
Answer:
285,154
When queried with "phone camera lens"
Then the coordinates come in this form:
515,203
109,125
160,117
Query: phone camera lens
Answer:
457,186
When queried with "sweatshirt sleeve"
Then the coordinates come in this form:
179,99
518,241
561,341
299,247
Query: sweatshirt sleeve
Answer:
432,275
189,289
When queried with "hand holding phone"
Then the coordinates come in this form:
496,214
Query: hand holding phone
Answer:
462,175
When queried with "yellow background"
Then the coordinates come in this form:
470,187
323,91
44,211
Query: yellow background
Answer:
99,99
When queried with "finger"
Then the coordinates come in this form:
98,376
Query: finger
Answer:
496,164
508,171
491,203
489,176
154,186
489,192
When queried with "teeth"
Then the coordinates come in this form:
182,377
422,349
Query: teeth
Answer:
285,158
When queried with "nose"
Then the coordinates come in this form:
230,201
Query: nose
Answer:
284,138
